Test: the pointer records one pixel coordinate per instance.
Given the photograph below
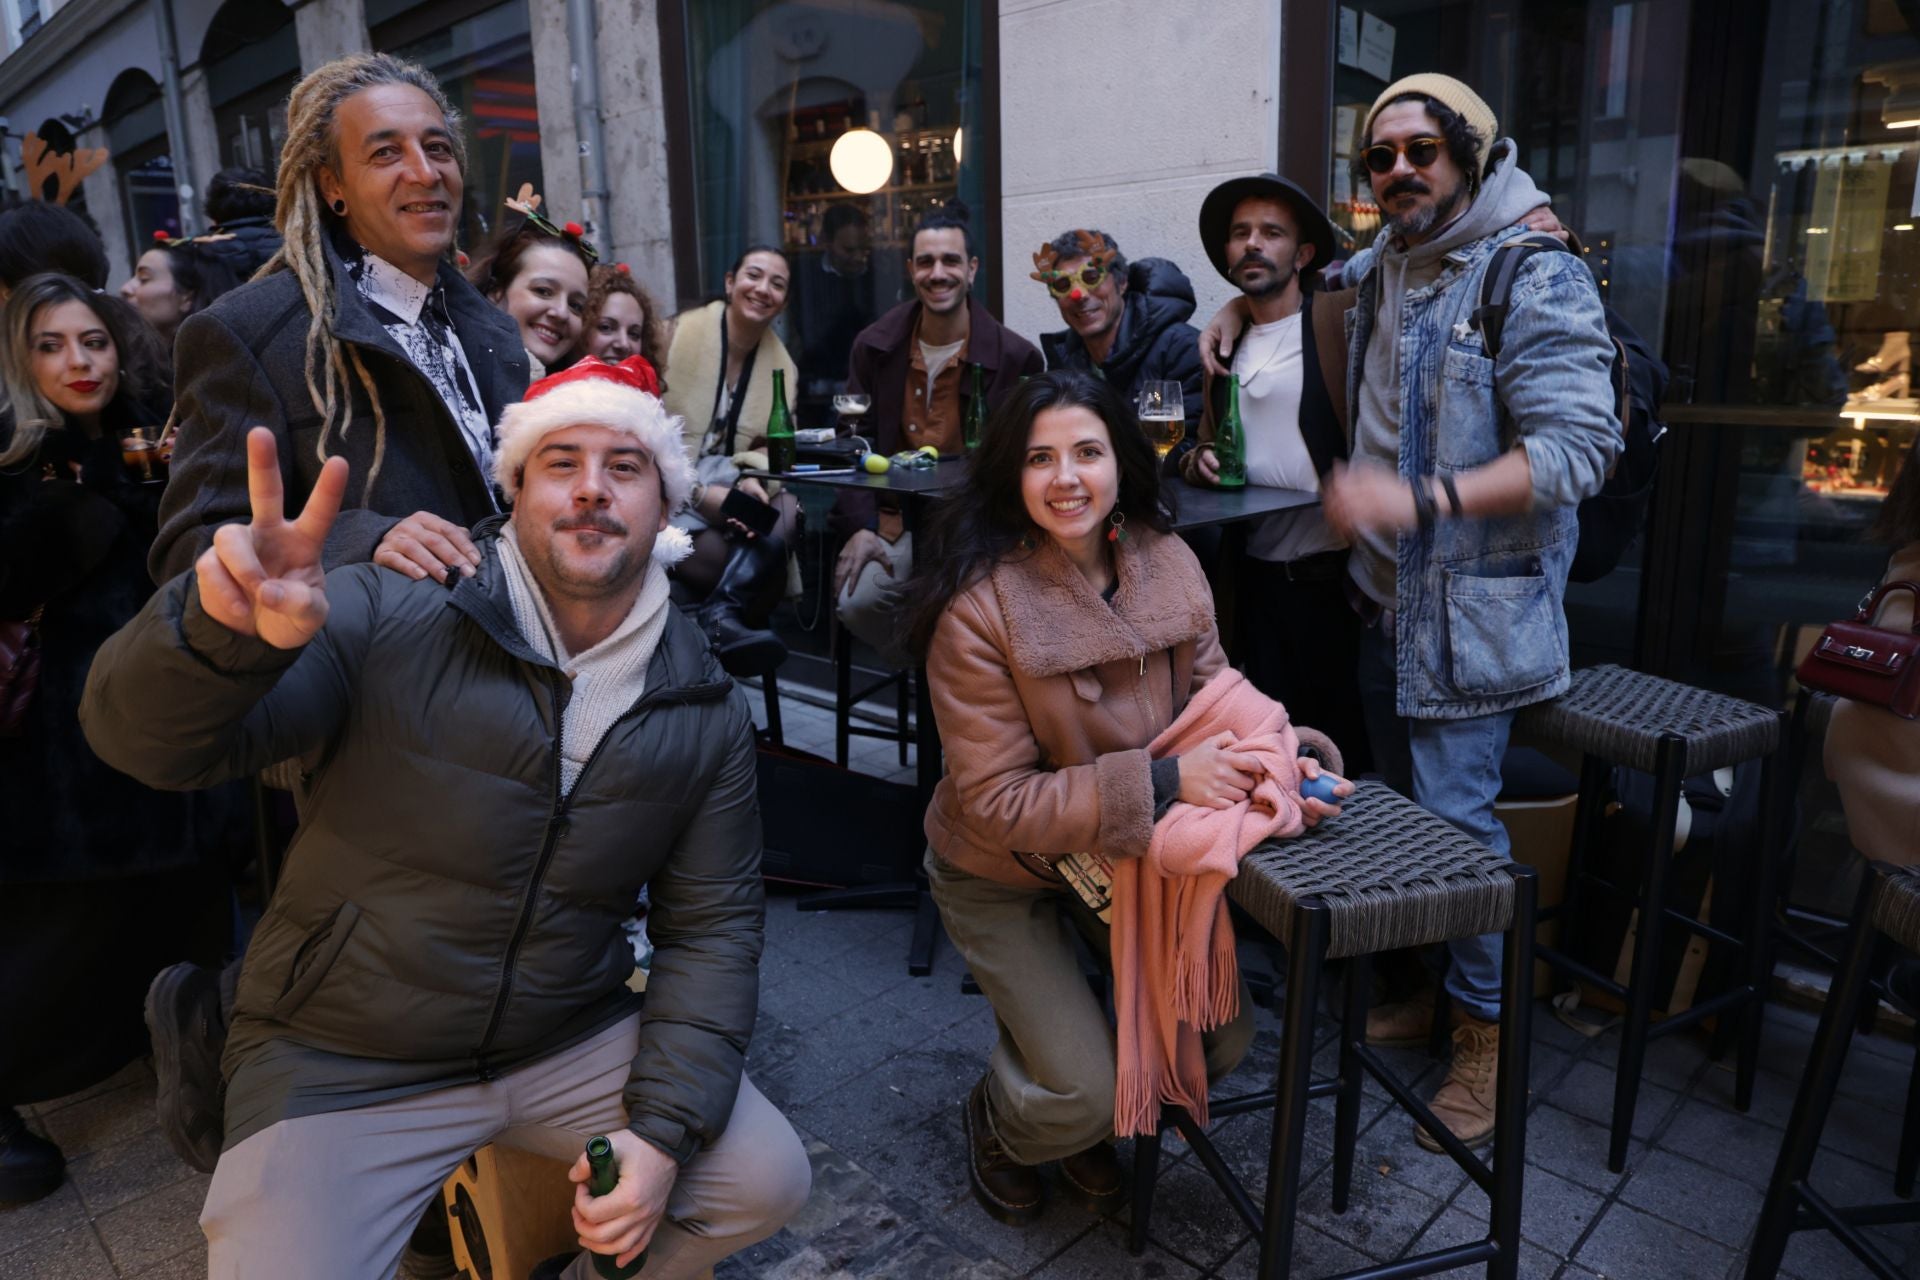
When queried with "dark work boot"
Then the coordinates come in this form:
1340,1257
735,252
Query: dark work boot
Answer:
1094,1178
733,616
1005,1188
30,1167
189,1033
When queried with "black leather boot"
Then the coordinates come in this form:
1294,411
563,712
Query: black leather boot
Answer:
1095,1178
30,1166
734,615
1005,1188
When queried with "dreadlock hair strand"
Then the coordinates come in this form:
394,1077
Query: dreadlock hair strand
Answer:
304,223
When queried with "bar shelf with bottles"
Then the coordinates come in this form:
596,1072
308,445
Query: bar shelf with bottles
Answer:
925,174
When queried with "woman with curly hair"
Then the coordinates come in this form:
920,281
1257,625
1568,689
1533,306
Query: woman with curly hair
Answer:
621,319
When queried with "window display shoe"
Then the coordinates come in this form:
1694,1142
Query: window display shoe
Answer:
1008,1190
31,1168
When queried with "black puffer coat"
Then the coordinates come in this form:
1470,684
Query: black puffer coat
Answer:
253,241
446,913
1155,342
76,547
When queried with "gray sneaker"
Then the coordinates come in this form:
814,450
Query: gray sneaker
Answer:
188,1034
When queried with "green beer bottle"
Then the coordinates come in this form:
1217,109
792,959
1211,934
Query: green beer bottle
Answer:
602,1170
1230,443
780,447
976,413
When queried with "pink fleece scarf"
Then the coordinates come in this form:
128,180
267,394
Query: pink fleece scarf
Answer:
1174,970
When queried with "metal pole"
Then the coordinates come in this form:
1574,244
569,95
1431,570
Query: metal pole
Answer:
176,113
582,37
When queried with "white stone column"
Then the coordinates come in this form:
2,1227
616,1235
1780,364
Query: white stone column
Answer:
106,207
633,116
328,29
553,97
1128,142
203,139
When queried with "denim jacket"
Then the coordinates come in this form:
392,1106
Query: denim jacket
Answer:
1481,628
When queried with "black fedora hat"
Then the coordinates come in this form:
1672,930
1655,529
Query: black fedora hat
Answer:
1216,216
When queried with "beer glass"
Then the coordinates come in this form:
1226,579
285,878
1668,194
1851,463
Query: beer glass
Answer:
1163,415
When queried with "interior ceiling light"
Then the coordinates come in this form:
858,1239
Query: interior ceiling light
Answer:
959,152
861,161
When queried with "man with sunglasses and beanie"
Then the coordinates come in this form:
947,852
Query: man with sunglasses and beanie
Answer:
1460,498
913,362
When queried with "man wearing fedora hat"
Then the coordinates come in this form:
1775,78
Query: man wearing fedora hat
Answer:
1459,501
1297,635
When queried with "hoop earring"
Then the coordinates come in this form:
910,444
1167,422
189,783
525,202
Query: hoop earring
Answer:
340,208
1117,526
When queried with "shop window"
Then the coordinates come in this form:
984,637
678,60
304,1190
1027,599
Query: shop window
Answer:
484,62
251,57
135,126
776,88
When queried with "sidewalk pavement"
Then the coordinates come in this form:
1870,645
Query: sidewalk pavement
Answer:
871,1066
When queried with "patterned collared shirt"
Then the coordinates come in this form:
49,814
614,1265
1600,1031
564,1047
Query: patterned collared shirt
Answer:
415,315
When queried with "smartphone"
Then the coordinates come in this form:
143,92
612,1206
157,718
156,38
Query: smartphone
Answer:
749,511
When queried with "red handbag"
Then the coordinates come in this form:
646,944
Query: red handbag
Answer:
19,672
1858,660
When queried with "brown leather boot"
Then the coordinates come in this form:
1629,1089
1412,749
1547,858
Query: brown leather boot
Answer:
1094,1178
1464,1101
1401,1022
1005,1188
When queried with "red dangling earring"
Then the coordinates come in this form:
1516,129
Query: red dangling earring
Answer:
1117,526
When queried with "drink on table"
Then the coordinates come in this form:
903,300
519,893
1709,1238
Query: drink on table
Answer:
142,457
603,1174
780,443
976,419
1163,416
1229,442
850,406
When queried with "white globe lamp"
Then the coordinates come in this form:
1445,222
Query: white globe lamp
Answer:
861,161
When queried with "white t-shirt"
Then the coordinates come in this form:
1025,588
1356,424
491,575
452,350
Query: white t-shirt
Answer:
935,359
1269,364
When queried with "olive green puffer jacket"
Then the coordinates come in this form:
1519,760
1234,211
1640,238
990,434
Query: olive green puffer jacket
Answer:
445,912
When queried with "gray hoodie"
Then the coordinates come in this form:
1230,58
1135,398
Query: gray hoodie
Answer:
1507,196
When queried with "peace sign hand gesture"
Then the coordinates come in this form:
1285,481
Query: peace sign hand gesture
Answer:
264,578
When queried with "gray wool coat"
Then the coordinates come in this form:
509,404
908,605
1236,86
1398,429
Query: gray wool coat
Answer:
447,913
241,363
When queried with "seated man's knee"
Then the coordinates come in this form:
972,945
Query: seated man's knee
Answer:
782,1176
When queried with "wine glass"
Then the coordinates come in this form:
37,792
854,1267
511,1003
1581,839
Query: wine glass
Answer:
850,405
1163,415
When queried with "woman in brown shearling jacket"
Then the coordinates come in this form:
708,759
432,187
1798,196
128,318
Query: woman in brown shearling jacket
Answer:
1064,627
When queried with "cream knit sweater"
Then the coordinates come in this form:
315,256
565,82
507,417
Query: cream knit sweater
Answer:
608,678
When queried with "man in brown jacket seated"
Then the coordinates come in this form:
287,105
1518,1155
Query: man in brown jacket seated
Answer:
494,769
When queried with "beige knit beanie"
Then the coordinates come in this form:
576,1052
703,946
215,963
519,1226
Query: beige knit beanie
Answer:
1462,101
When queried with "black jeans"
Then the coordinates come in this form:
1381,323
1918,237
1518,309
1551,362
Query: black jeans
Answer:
1299,642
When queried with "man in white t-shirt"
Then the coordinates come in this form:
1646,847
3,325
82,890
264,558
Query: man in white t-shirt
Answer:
1296,633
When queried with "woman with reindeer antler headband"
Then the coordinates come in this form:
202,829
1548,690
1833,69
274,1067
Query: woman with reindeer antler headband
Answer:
537,272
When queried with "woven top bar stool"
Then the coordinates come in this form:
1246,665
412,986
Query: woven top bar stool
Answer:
1386,874
1614,716
1888,907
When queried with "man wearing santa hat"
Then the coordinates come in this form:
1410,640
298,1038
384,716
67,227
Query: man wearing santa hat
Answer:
493,769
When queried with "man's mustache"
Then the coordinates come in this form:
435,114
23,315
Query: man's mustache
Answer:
599,524
1406,186
1253,257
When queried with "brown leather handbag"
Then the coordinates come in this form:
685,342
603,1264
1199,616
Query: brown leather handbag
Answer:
19,671
1858,660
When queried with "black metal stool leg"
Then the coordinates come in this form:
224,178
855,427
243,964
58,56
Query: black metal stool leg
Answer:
1346,1106
1815,1097
1908,1161
1306,954
1510,1095
1668,764
842,692
1595,773
1146,1170
1775,812
770,686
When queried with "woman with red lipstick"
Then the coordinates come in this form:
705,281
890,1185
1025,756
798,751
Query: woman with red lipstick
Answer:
724,357
540,279
102,881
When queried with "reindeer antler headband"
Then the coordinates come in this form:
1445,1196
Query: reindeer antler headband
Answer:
527,202
1093,247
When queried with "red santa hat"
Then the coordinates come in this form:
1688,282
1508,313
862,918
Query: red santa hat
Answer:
622,397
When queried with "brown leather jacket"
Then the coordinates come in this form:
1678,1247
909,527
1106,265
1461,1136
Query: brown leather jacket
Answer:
1047,695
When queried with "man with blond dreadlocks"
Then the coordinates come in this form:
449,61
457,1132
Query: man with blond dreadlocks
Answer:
361,340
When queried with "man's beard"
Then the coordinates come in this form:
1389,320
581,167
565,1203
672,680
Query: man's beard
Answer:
1421,220
609,578
1278,277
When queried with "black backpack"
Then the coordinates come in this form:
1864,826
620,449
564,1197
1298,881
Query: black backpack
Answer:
1611,519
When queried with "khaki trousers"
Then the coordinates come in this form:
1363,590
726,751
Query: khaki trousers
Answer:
1050,1077
335,1196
